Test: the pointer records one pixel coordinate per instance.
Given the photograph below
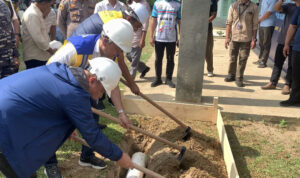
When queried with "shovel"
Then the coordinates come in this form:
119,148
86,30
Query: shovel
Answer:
181,149
187,132
136,166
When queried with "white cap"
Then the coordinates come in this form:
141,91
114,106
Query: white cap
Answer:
107,72
141,11
120,32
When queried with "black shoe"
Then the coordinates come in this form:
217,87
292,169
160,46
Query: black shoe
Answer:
288,103
144,72
156,83
111,102
93,161
170,83
102,126
52,171
229,79
239,83
262,65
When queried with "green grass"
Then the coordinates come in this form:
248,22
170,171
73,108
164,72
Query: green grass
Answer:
259,155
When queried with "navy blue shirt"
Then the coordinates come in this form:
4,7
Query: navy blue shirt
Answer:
213,8
296,21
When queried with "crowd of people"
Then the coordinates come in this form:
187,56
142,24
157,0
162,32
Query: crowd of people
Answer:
94,37
245,18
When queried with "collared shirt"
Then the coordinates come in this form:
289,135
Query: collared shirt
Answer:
138,34
243,25
105,5
35,35
72,12
296,21
288,9
167,12
267,6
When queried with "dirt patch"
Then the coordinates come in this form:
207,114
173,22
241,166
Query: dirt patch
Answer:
203,157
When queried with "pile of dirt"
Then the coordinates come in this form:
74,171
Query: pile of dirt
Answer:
203,157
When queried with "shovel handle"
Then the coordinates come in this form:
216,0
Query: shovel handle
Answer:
100,113
136,166
158,107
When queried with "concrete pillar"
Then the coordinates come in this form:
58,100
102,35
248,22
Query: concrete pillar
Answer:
193,37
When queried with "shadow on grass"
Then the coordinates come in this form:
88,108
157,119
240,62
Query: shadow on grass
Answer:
240,152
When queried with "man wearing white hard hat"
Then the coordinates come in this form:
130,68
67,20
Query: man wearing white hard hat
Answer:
42,108
116,37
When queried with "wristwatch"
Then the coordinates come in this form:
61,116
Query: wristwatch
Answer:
121,111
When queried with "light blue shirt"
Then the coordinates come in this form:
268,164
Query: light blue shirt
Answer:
268,5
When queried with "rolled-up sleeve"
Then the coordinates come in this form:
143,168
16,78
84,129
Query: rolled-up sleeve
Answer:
78,109
40,38
229,18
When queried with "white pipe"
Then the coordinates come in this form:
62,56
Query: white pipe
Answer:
138,158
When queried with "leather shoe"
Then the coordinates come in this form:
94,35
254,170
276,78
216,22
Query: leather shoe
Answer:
229,79
156,83
170,83
239,83
288,103
269,86
144,72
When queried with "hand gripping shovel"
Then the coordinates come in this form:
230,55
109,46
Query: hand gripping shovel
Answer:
136,166
187,132
181,149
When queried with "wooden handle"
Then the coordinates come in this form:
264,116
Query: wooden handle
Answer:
158,107
136,166
100,113
147,171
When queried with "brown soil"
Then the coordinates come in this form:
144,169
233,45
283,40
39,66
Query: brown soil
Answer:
203,157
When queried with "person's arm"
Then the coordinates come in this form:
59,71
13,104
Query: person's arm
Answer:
152,29
125,72
278,6
62,14
214,8
289,36
153,24
212,17
17,32
78,110
116,98
15,49
255,27
229,26
142,40
52,32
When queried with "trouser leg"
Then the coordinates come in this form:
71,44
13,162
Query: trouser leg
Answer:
268,32
261,41
295,92
233,55
278,63
209,52
171,47
159,54
243,57
288,77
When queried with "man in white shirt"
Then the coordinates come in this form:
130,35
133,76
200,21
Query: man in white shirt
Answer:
109,5
35,35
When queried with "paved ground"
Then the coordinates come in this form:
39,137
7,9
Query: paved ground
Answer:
250,99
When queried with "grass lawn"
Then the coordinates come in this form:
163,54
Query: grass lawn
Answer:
263,149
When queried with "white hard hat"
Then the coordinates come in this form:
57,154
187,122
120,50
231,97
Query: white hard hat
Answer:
120,32
107,72
141,11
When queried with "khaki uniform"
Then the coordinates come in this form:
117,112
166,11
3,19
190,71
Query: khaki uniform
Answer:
73,12
243,19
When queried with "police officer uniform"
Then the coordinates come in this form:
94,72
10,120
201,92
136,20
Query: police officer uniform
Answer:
8,49
73,12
